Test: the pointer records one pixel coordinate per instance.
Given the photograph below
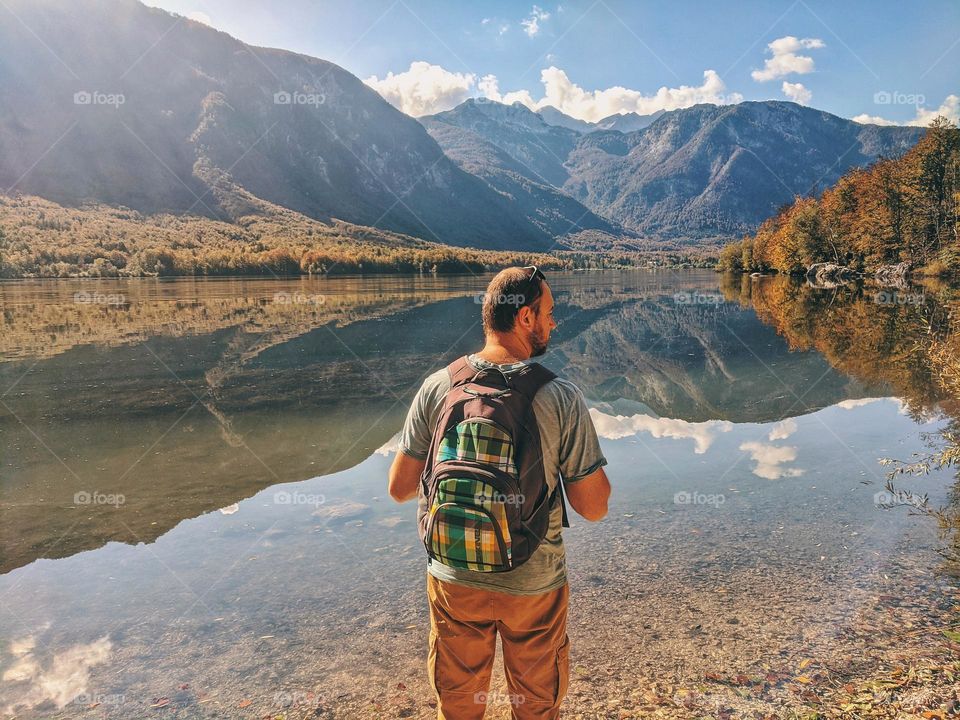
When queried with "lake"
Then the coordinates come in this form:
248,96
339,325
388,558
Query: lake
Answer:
195,523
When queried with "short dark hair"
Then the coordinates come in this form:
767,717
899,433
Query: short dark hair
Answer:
510,290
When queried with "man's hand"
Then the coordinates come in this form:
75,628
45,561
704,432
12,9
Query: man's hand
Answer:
589,495
405,476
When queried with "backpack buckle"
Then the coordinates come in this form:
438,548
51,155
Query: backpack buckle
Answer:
495,393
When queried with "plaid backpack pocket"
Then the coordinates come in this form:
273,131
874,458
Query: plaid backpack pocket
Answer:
469,527
478,441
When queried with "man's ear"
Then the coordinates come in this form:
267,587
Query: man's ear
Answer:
526,317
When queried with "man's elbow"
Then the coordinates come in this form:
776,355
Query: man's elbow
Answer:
404,476
595,513
397,489
398,493
394,492
590,496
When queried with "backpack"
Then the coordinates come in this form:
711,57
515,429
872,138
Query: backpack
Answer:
484,501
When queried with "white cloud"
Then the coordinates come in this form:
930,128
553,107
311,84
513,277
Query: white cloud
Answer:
902,407
769,459
617,426
66,675
424,88
783,429
531,25
201,17
785,59
390,446
593,105
796,92
859,402
949,108
501,27
489,87
865,119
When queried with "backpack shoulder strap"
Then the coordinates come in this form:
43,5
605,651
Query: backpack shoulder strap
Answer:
530,379
460,371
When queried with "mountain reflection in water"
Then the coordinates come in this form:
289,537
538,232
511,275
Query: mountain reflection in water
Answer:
221,447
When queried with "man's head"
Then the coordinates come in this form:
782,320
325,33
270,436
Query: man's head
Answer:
518,311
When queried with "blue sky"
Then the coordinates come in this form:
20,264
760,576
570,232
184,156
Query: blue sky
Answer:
836,56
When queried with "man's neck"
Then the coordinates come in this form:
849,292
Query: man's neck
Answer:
503,353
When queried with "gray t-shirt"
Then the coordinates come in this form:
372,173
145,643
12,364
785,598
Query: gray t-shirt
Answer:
571,450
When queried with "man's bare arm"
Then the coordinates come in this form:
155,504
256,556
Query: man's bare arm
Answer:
405,476
589,495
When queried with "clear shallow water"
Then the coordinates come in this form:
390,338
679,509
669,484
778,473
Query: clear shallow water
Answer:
195,517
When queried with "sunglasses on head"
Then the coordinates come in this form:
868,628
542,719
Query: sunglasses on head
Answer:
536,272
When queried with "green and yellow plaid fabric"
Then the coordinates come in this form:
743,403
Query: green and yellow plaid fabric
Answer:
481,442
462,535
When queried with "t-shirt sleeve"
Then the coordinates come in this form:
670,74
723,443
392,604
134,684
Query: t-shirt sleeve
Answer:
580,452
416,433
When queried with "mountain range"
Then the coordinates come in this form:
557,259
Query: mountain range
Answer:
707,171
114,102
624,122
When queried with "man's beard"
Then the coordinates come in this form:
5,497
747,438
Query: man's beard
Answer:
538,344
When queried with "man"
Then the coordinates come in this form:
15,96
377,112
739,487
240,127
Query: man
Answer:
527,605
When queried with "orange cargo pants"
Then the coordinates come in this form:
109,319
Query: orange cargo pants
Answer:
464,623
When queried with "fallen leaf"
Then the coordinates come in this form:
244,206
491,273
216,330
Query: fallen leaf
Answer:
952,635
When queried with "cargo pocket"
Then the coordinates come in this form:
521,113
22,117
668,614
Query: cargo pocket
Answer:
432,661
563,670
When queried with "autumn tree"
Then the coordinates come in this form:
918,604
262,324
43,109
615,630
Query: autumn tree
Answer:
935,164
897,209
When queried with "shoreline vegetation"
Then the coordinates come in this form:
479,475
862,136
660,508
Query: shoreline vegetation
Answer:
41,239
897,216
893,217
